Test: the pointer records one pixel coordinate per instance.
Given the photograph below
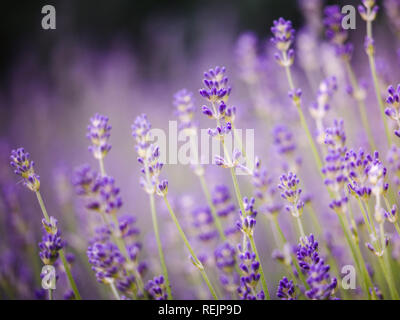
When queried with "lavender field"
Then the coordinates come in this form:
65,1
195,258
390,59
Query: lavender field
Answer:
107,190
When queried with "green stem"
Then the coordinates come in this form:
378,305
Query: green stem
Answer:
122,247
69,276
263,281
115,291
217,220
159,245
102,170
361,105
196,261
62,256
253,245
303,122
118,240
372,66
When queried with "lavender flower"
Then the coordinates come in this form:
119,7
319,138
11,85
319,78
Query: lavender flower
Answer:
149,155
23,166
392,110
157,288
286,290
283,38
247,220
99,134
51,242
335,168
368,10
183,102
250,276
289,185
216,87
203,223
335,32
322,286
107,261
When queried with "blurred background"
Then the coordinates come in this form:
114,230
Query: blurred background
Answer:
123,58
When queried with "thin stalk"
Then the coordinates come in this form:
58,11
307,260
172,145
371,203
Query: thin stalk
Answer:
371,59
62,256
303,235
159,245
356,257
263,281
217,220
197,262
118,240
50,294
102,170
122,247
253,245
361,105
303,121
114,291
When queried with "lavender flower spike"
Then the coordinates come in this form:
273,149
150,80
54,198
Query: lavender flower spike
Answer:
286,290
393,107
23,166
99,134
283,38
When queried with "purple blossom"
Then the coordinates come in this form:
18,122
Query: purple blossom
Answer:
23,166
393,105
203,223
286,290
290,191
216,85
157,288
99,134
250,276
51,242
184,108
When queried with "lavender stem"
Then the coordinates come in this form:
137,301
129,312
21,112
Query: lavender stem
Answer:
196,261
62,256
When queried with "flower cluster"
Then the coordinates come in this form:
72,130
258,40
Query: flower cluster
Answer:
149,155
51,242
289,185
225,260
285,146
286,290
99,134
23,166
247,221
334,169
100,192
203,223
157,288
322,286
184,106
250,276
368,10
335,33
392,110
217,91
283,38
222,201
367,174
